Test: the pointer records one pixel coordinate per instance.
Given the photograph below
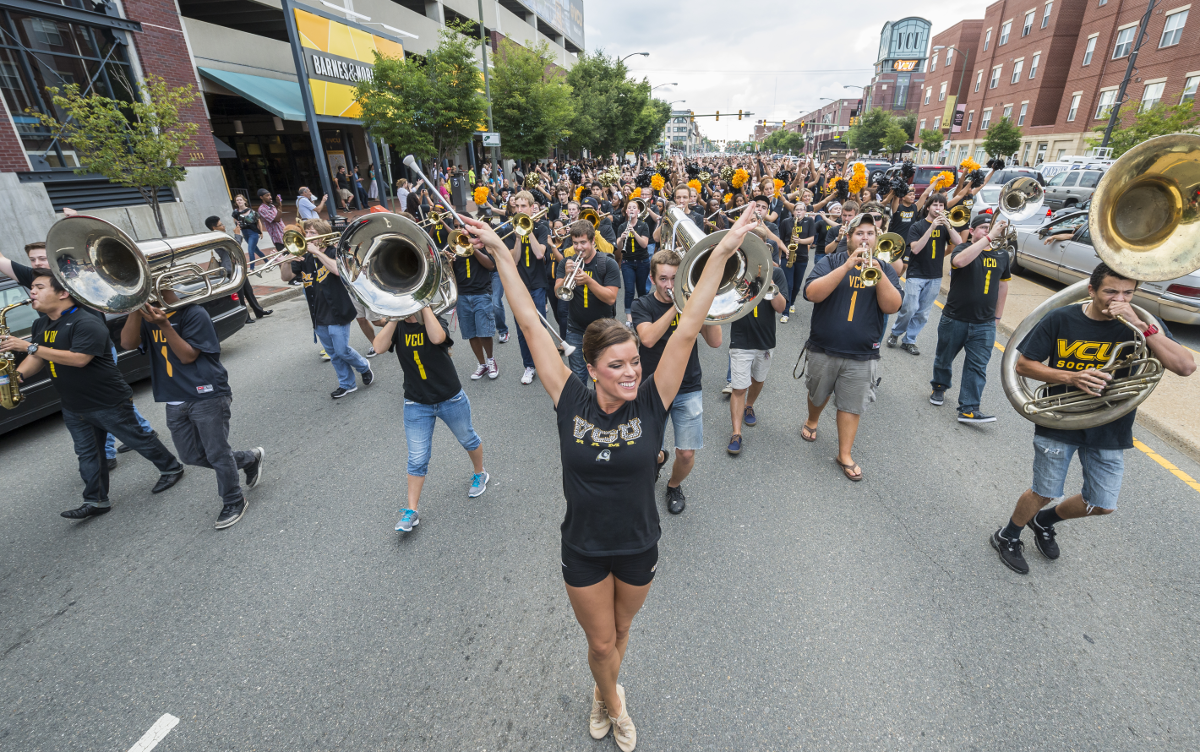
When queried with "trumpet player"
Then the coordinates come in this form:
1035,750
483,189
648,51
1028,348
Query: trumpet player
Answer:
979,276
635,257
843,342
595,281
928,240
477,320
1064,349
331,310
530,253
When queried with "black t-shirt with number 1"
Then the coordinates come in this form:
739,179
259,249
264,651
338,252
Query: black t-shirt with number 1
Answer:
429,373
975,288
848,323
95,386
472,277
928,262
531,268
757,331
176,381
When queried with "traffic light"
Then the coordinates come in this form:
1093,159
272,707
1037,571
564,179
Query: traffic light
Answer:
739,114
718,114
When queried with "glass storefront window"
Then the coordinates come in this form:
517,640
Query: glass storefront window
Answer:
37,53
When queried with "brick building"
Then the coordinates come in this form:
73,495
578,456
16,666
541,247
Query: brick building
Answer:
823,127
109,46
899,66
951,64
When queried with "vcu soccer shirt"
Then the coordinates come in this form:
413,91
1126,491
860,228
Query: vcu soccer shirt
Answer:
99,384
1067,339
757,331
328,302
429,374
176,381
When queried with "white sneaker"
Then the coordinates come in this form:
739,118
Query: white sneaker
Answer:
370,353
783,319
728,389
492,369
528,377
792,309
479,372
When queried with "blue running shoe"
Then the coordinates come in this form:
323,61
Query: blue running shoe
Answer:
735,444
479,483
408,520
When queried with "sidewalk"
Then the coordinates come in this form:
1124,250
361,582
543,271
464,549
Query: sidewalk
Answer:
1160,413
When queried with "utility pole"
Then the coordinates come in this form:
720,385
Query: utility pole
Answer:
487,89
1115,113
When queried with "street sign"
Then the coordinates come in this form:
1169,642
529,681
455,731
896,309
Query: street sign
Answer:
491,139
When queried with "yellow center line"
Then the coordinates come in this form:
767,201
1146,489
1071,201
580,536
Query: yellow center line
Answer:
1140,445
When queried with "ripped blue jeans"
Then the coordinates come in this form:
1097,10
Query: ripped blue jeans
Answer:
1102,471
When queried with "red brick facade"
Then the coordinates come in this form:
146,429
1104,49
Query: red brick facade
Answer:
963,37
12,151
163,51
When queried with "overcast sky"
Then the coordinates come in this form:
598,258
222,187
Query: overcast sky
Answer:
775,59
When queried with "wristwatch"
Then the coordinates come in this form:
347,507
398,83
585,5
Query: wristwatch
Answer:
33,348
1150,331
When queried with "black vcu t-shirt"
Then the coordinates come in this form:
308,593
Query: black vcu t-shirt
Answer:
429,374
630,249
328,301
1067,339
848,323
608,470
176,381
586,307
757,330
926,264
975,288
472,277
533,270
648,309
902,220
99,384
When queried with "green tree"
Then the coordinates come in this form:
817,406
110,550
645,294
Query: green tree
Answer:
931,140
607,105
908,121
868,133
429,107
1003,139
134,143
896,137
784,141
648,130
531,101
1159,120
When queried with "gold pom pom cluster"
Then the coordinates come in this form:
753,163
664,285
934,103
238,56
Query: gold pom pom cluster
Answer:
942,181
481,195
657,182
739,178
858,178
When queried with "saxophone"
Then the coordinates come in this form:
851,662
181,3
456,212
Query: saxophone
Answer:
10,383
794,245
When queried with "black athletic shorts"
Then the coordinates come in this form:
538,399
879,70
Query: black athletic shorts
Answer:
633,569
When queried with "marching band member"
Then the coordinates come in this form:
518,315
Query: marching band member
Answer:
597,282
530,252
979,277
924,256
95,398
633,237
656,320
431,391
473,275
609,440
751,344
835,232
331,310
843,343
800,229
1064,349
186,373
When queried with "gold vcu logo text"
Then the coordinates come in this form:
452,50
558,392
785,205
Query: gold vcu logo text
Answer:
1081,355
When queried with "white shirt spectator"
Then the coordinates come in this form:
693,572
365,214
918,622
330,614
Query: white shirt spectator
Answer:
307,209
402,197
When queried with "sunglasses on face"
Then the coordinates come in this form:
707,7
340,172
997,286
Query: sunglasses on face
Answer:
875,217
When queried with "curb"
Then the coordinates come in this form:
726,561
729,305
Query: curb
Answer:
279,297
1160,427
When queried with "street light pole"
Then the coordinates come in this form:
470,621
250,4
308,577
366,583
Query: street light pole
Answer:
643,54
487,89
1114,114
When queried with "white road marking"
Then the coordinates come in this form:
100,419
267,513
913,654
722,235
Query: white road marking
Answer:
156,734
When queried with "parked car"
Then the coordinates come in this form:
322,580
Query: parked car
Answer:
989,195
39,396
1068,261
1072,187
876,168
927,172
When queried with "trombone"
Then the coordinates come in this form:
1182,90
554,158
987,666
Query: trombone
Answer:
523,224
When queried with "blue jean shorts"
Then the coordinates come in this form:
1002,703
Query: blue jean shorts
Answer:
687,416
419,420
476,318
1102,471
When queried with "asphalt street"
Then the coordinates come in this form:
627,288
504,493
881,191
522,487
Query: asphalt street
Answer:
792,610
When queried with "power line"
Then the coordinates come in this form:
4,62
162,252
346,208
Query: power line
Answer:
747,72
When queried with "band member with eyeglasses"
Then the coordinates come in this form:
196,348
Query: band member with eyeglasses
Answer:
186,373
96,401
1066,349
656,319
928,241
609,440
843,342
979,276
431,391
331,310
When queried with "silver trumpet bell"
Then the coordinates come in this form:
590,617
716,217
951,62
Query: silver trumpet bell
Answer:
104,268
393,268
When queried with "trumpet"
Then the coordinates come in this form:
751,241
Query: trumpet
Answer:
889,247
523,224
435,219
959,216
566,292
